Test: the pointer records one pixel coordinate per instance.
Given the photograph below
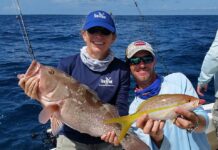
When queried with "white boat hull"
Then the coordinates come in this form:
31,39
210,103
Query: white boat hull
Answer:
211,129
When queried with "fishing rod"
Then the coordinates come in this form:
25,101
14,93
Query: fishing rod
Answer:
24,31
139,10
150,34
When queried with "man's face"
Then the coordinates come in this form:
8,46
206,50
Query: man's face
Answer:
98,41
143,72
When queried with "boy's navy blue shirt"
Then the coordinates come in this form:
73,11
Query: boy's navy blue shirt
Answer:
111,86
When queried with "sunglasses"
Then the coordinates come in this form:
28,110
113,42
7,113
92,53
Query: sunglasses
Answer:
100,30
145,59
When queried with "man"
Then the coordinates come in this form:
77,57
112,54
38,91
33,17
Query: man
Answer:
209,70
187,132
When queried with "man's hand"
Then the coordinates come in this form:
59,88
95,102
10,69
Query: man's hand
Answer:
189,120
202,89
152,127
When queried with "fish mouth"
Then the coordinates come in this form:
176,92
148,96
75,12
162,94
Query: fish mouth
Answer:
33,69
202,101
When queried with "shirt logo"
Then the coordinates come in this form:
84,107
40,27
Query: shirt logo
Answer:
106,82
100,15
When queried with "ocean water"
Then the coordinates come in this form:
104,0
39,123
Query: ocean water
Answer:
180,43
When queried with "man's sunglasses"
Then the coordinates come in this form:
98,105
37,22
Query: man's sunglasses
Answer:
137,60
100,30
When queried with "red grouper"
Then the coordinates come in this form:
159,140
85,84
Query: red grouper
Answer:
65,100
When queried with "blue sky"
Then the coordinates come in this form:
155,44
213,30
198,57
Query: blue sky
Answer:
117,7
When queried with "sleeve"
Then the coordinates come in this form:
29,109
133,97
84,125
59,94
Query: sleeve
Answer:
187,87
184,86
123,92
147,139
189,90
210,63
178,83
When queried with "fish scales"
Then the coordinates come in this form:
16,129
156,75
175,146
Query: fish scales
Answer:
160,107
162,101
65,100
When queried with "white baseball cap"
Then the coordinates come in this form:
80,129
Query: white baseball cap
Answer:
137,46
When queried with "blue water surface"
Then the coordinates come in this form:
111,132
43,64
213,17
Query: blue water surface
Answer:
180,43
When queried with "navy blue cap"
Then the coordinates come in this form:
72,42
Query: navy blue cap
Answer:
99,19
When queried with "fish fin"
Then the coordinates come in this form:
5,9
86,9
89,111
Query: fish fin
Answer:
56,125
125,122
46,113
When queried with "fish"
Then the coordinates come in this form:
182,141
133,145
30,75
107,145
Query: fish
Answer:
160,107
67,101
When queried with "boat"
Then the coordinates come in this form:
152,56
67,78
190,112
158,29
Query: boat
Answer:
211,131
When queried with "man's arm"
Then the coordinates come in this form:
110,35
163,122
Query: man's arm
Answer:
209,66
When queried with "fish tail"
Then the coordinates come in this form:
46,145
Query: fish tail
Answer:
125,122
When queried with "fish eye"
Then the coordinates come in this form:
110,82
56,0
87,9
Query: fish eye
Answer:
51,71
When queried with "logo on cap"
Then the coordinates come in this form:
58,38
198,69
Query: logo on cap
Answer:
139,43
100,15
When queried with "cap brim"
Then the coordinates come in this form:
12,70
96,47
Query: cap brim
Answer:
99,24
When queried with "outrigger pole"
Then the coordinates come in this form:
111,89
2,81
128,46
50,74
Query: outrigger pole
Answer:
161,57
139,10
24,32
